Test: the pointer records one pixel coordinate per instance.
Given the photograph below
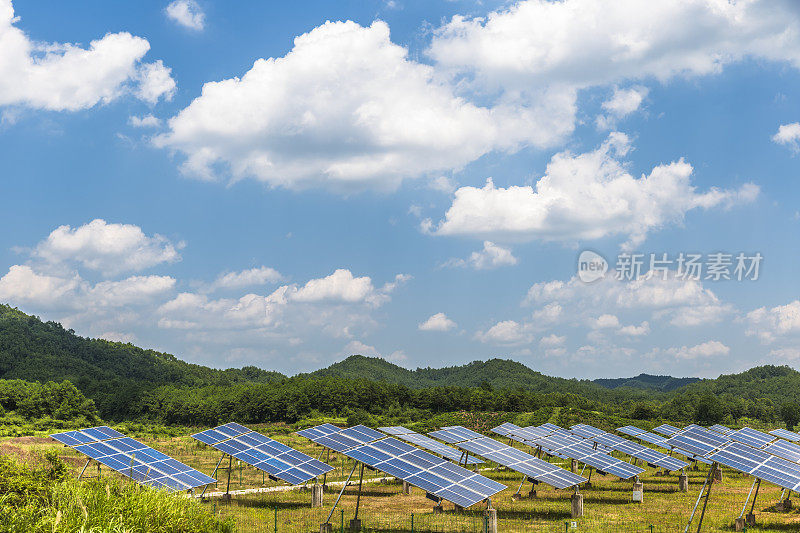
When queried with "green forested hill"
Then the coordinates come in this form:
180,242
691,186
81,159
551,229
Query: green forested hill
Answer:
112,373
647,381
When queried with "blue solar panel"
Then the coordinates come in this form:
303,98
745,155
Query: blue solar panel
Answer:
722,430
319,431
428,443
759,464
667,430
697,440
512,458
631,430
786,450
751,437
652,457
133,459
786,434
454,434
277,459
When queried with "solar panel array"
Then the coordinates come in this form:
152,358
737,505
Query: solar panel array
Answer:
666,430
578,448
432,474
338,439
525,435
760,464
423,441
643,435
786,434
722,430
275,458
652,457
751,437
697,440
505,455
133,459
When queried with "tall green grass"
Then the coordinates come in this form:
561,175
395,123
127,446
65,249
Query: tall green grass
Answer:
43,497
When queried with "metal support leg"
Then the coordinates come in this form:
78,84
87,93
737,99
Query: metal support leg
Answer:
213,474
84,468
752,508
744,507
699,497
341,492
708,495
520,485
230,467
358,498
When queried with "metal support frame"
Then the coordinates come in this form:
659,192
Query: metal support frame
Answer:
744,507
230,467
84,468
214,473
341,492
358,498
753,507
699,497
524,477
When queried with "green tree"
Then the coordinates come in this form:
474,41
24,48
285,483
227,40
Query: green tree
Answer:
709,410
790,413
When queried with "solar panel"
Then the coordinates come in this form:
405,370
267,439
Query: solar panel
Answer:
667,430
786,434
133,459
432,474
319,431
428,443
751,437
338,439
525,435
786,450
760,464
650,456
275,458
631,430
697,440
722,430
574,447
515,459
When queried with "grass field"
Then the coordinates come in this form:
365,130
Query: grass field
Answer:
383,507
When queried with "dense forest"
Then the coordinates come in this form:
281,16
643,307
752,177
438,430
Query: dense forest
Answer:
48,371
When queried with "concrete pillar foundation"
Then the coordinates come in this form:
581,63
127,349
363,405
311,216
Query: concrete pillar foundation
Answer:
577,505
638,492
683,483
316,496
406,488
738,524
491,519
355,525
573,466
327,527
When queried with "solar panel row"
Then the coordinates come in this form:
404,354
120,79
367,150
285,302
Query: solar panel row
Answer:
786,434
428,443
633,449
133,459
697,440
505,455
751,437
760,464
275,458
574,447
419,468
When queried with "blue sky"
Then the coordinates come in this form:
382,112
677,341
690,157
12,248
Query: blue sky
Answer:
247,184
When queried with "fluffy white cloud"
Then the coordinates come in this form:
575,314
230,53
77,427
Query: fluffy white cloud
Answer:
437,322
345,109
187,13
585,196
506,332
359,348
621,104
548,314
339,286
22,285
580,43
788,135
774,323
155,82
246,278
635,331
105,247
492,256
146,121
699,351
605,321
69,77
552,340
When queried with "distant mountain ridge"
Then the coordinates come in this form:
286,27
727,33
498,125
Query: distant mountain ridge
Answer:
647,382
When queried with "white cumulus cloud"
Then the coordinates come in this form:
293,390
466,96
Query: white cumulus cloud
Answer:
585,196
437,322
621,104
187,13
788,135
69,77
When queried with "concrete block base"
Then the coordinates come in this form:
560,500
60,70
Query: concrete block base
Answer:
573,466
327,527
638,492
738,524
225,497
577,505
717,475
316,496
355,525
683,483
406,488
